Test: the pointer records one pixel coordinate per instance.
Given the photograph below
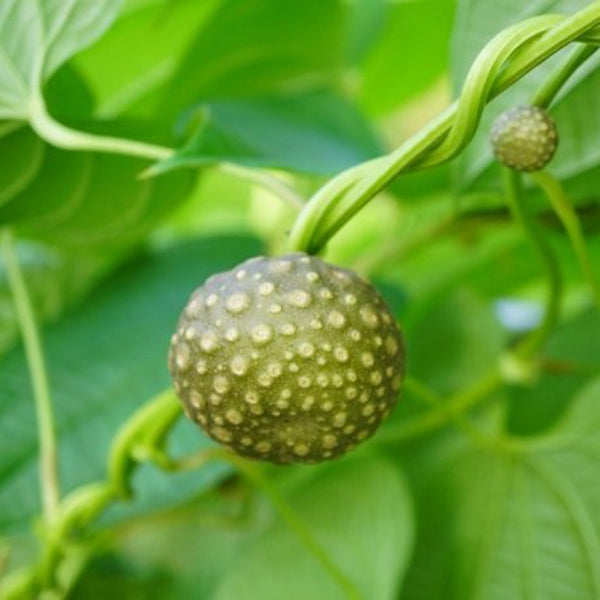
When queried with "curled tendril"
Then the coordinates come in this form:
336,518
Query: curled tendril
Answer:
507,58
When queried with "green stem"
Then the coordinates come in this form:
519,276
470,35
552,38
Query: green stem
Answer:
565,212
253,473
514,198
505,60
453,407
60,135
146,429
552,86
49,477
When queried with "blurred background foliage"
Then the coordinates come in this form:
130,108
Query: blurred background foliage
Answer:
309,87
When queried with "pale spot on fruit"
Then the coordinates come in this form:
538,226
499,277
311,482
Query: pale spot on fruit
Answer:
306,349
209,341
251,397
246,441
274,369
338,380
367,359
368,410
222,434
182,356
336,319
264,380
299,298
312,276
266,288
262,447
212,300
329,441
325,293
341,353
288,329
376,378
237,303
239,365
232,334
286,393
282,404
280,266
294,368
241,274
351,392
275,309
221,384
350,299
195,399
327,406
351,375
356,335
261,334
391,345
308,402
339,420
322,380
316,324
234,416
349,429
304,381
301,449
369,317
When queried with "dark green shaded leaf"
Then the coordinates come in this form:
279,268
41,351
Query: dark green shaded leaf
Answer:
318,133
105,360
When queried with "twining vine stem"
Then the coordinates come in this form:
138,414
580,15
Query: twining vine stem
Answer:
49,475
566,213
505,60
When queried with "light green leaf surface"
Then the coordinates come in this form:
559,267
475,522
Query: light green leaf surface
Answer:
405,61
366,527
37,37
524,525
126,81
105,360
258,47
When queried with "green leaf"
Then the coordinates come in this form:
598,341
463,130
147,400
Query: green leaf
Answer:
318,133
76,198
37,37
578,119
366,529
258,47
571,358
162,30
410,55
106,359
513,525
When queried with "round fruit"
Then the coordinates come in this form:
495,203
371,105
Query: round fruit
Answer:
287,359
524,138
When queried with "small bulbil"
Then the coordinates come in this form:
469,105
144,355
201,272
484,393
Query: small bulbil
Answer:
525,138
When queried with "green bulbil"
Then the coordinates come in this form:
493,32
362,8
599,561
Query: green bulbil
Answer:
525,138
287,359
